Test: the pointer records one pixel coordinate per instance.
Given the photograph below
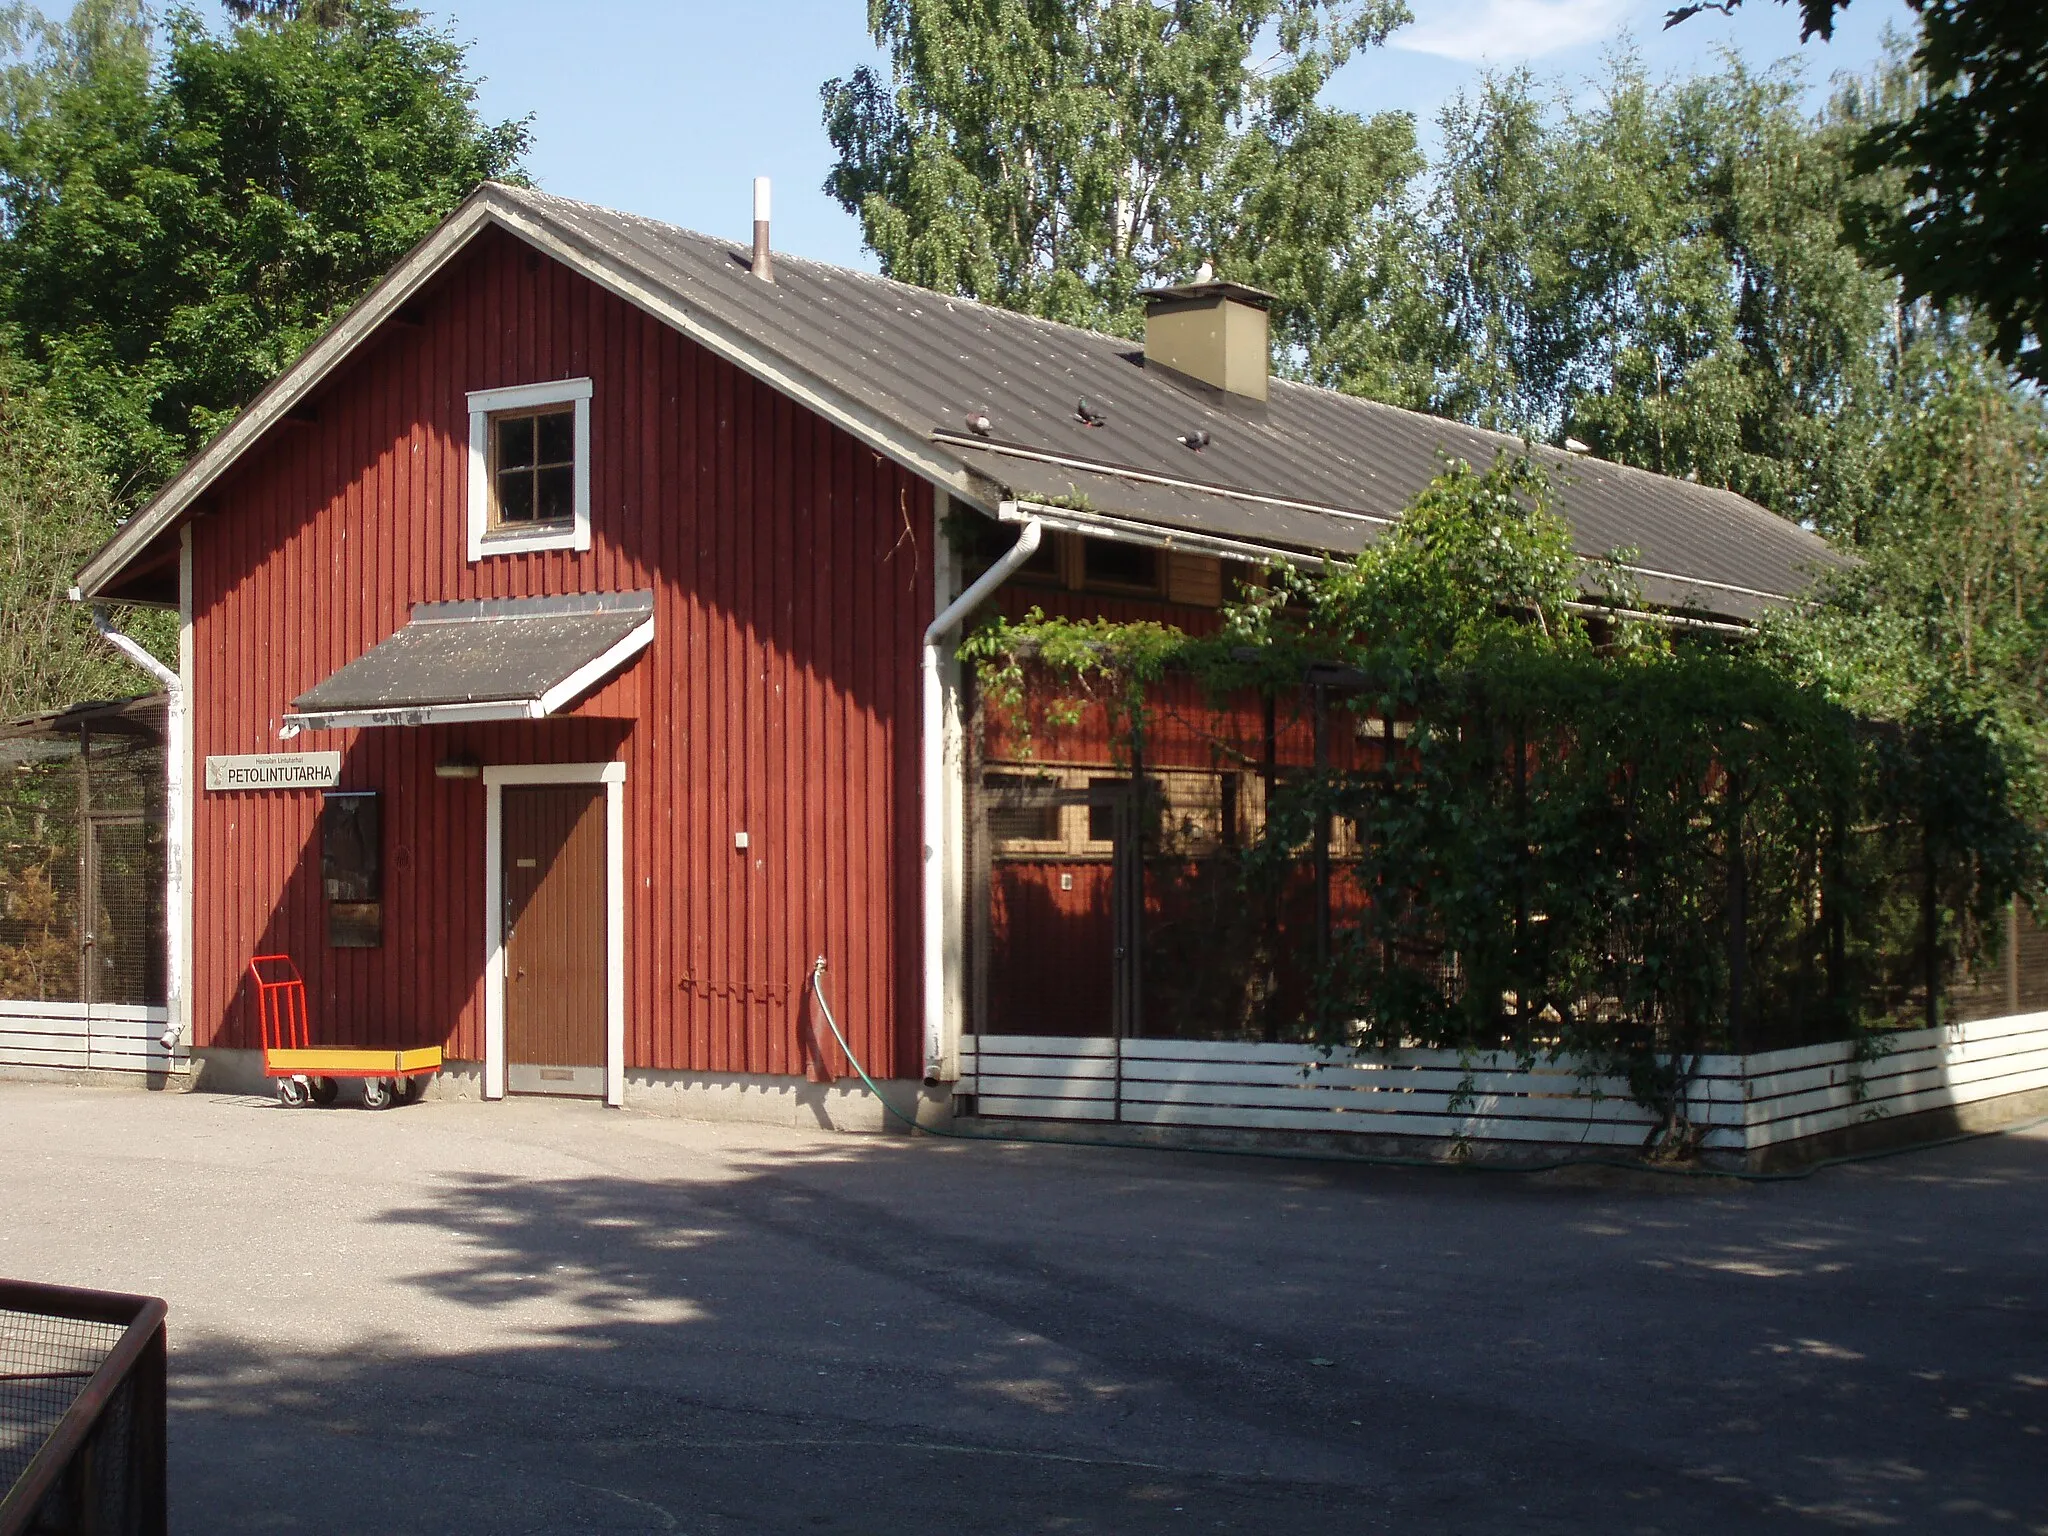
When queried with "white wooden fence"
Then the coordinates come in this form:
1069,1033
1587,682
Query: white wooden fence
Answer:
100,1037
1745,1104
1791,1094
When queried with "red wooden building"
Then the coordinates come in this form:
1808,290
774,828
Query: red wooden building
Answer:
566,639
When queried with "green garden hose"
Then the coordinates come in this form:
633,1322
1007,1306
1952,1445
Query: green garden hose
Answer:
1379,1160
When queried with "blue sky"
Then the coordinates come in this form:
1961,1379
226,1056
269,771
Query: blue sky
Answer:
670,109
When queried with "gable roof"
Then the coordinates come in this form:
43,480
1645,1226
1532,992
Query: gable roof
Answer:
903,368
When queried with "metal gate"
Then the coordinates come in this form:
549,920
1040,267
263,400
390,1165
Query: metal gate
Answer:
1058,905
82,921
122,914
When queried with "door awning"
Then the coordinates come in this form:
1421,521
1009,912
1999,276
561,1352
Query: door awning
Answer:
496,659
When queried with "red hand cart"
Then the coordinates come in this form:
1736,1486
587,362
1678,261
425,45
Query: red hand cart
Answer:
309,1074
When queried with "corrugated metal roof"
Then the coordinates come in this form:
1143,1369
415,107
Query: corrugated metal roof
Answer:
928,363
496,651
1310,470
141,714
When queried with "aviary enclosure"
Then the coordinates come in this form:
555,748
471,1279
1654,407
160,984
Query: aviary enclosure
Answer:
82,856
1234,871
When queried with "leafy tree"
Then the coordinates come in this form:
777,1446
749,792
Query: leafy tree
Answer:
327,13
178,229
1057,156
43,58
1817,17
1948,606
1959,536
1974,229
1656,271
55,510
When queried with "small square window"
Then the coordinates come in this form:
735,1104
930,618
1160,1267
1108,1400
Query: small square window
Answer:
1045,560
1016,814
1102,814
533,468
1121,567
529,468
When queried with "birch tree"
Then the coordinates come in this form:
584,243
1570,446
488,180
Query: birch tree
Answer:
1057,156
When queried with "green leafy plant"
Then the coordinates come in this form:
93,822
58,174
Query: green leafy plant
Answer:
184,211
1598,839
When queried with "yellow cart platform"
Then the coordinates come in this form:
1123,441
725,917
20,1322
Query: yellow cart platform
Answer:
312,1074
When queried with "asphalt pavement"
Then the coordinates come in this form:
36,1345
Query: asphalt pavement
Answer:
549,1317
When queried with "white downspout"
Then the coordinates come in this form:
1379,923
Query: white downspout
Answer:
933,785
174,817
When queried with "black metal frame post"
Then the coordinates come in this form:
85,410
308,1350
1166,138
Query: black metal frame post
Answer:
1930,929
84,905
1738,919
1320,702
1269,775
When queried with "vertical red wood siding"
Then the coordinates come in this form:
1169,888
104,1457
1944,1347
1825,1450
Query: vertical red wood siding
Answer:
792,571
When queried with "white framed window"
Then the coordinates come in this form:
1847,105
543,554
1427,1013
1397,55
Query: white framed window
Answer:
529,468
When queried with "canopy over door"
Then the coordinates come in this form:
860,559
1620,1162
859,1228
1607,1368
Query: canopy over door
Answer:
494,659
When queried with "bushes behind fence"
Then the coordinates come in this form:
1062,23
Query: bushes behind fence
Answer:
1624,839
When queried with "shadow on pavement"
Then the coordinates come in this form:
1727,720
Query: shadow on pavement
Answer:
927,1337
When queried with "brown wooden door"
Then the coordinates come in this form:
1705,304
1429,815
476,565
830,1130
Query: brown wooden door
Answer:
554,926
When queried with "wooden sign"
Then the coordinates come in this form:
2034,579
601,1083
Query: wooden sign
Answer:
274,770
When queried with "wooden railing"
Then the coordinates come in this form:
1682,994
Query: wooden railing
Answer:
100,1037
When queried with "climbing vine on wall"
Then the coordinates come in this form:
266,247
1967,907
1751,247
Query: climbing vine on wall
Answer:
1590,835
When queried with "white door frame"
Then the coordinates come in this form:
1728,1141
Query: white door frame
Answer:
613,777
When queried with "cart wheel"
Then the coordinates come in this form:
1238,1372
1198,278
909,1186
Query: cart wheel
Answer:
294,1092
411,1090
376,1093
325,1090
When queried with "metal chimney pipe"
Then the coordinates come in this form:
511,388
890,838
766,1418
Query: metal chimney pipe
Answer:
764,262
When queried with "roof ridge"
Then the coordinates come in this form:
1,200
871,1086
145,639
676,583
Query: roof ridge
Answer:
1735,499
789,258
884,360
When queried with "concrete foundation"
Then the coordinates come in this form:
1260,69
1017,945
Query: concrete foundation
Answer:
746,1099
154,1082
1327,1146
791,1101
732,1098
1887,1132
1871,1136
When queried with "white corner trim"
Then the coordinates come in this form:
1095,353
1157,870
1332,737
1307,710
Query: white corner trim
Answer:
494,940
613,777
572,687
179,855
615,938
932,784
482,402
947,582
